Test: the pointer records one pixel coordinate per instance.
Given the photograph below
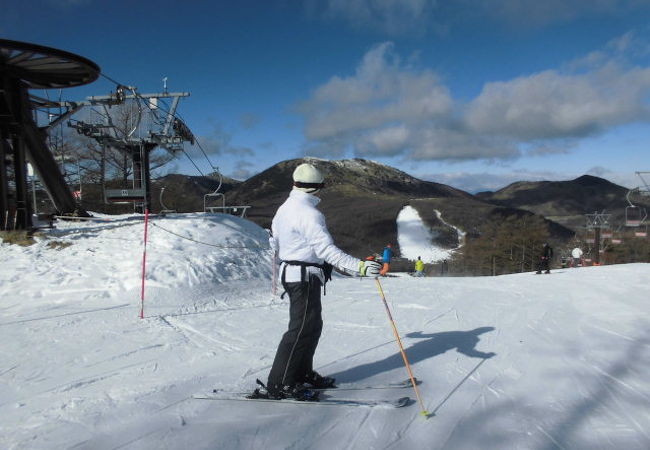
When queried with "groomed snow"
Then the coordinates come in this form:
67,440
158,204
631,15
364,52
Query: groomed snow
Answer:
415,238
520,361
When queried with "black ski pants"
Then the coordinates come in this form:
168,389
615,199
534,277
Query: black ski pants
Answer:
295,354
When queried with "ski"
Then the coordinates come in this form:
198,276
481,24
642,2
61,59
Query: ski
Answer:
398,403
354,387
345,387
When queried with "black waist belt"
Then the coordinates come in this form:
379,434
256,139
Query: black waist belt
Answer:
325,267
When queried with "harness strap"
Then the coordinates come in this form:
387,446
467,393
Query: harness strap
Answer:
325,267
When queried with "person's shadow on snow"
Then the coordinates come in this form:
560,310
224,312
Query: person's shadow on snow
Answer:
435,344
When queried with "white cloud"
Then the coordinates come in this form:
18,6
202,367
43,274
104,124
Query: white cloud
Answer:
554,105
385,141
387,108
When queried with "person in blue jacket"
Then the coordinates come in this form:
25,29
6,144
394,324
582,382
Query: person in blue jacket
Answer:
388,252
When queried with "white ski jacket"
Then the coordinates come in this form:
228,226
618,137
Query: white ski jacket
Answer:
299,233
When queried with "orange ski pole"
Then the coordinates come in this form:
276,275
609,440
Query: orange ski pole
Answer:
424,411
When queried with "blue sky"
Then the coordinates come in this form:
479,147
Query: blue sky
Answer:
470,93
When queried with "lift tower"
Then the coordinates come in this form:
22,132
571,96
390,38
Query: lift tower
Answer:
25,66
597,222
162,129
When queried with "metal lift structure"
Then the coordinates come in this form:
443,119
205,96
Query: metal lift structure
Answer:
25,66
164,130
600,225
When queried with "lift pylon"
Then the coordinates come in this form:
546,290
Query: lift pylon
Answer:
164,130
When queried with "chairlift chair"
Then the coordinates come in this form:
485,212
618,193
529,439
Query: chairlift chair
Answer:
164,209
234,210
635,216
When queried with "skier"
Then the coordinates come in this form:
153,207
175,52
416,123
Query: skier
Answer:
419,268
545,259
307,254
576,254
388,252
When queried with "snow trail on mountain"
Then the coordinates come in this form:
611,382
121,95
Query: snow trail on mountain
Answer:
415,238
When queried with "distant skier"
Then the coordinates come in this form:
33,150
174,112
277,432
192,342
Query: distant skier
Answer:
576,254
444,268
388,253
545,259
419,268
307,253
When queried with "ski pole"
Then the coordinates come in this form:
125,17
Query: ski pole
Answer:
424,411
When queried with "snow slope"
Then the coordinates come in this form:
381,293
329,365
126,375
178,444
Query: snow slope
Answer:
415,238
518,361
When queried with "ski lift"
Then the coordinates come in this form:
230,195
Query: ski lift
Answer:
635,215
643,232
215,196
139,194
164,209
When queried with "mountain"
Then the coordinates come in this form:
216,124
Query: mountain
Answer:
564,202
361,202
363,198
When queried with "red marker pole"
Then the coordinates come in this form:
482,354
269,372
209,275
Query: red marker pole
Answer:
144,261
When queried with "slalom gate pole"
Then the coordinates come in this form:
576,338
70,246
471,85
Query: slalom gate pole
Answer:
144,261
424,411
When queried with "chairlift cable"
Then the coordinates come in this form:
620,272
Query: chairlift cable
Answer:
192,161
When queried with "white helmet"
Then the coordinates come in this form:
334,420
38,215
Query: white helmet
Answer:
307,178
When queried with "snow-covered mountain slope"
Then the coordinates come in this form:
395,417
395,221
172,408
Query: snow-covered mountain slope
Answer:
417,240
517,361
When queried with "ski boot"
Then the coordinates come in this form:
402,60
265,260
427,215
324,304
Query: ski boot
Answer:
317,381
279,392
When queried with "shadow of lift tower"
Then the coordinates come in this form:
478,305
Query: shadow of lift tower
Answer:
25,66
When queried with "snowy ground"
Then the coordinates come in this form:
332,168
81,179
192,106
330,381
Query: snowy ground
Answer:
520,361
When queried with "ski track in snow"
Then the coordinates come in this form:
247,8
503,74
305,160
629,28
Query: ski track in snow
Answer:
514,361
